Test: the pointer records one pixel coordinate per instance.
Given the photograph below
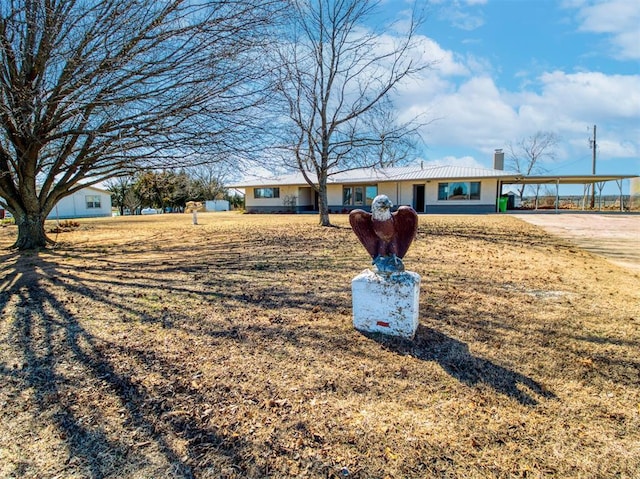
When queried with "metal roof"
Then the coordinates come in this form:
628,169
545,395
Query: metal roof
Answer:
444,172
567,179
378,175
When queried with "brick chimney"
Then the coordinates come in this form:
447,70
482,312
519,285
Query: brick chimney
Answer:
498,159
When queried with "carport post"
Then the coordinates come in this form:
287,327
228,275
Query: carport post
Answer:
619,183
557,193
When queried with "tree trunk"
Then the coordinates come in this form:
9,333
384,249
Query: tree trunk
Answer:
323,206
31,234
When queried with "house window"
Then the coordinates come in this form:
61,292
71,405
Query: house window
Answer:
93,201
460,190
359,195
371,192
266,192
347,195
358,198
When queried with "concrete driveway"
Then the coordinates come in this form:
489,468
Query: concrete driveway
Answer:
614,236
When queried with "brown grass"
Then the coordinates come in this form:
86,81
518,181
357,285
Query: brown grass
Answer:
148,347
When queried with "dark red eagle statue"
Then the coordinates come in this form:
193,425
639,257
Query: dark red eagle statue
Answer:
385,235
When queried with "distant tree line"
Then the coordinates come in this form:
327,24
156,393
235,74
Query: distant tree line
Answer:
167,190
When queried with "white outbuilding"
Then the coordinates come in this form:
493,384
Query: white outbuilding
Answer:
89,202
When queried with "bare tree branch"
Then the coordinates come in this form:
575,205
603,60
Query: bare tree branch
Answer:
527,154
93,90
335,77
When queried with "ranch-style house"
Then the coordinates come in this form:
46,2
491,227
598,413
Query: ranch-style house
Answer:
436,189
442,189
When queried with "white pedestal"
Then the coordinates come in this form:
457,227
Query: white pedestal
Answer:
386,303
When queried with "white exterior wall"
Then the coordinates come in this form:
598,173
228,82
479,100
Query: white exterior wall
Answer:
634,194
304,196
334,195
488,188
216,205
75,205
401,193
250,200
391,190
405,192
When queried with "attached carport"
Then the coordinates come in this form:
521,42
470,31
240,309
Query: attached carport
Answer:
588,181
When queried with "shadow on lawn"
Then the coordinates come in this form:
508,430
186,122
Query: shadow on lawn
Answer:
454,357
68,377
64,365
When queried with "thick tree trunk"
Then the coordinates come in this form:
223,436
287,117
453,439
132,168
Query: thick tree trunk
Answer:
323,206
31,234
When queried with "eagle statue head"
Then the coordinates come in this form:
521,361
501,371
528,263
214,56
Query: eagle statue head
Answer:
381,208
385,235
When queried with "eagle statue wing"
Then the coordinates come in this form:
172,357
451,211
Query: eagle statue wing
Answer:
362,226
406,225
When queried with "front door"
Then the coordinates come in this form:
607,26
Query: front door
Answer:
418,198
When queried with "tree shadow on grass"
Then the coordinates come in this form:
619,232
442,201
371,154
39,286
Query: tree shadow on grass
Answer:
67,376
456,359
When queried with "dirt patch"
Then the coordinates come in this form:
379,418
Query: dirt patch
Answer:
151,347
614,236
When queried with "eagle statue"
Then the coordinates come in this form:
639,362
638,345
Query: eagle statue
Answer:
385,235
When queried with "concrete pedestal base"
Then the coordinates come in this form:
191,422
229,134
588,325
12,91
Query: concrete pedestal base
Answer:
386,303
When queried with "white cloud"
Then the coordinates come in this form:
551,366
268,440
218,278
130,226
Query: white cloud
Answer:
570,104
444,61
467,111
475,114
617,18
593,93
478,115
458,14
608,149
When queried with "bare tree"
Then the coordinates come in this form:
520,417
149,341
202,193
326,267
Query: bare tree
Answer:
525,156
336,77
131,202
121,189
207,182
93,90
396,145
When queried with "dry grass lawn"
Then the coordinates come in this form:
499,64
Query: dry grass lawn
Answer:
147,347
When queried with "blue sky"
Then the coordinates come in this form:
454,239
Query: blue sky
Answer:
506,69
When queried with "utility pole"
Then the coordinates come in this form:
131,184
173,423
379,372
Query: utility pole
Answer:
593,156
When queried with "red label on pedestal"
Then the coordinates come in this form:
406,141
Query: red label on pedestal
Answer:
383,324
